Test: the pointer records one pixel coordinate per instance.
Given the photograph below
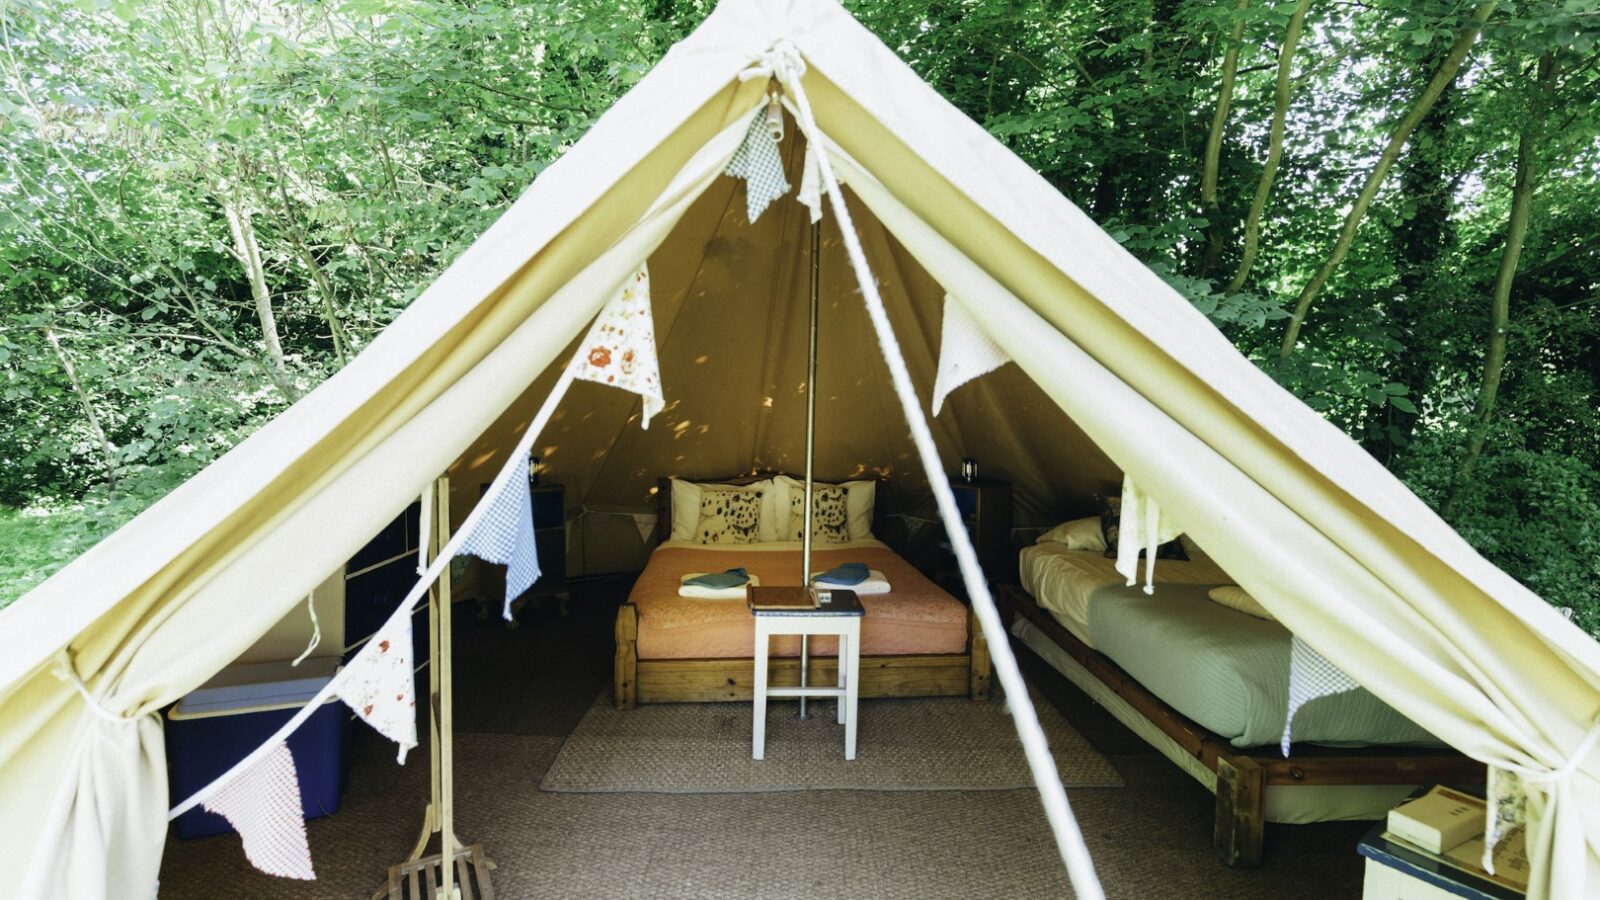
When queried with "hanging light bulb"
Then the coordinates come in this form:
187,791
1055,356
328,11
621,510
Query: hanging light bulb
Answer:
774,117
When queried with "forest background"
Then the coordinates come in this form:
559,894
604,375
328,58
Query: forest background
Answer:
1392,206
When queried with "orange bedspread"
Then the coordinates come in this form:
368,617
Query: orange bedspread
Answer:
914,617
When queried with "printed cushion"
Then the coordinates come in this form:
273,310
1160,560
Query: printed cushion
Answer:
1111,525
830,518
729,517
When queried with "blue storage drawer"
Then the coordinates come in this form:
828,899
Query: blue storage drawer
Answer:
218,724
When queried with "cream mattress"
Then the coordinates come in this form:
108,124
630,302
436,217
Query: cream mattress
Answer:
1061,580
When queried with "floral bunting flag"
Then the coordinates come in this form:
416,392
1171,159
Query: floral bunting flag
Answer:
504,536
378,685
1508,810
965,352
620,348
262,803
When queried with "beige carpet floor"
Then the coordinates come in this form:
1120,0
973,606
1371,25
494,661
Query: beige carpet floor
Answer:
521,693
926,744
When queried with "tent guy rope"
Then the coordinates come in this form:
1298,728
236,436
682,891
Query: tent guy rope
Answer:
784,63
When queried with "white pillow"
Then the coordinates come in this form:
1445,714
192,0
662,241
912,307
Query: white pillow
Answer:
1077,534
860,498
1234,597
686,507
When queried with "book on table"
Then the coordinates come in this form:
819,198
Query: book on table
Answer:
1439,820
782,598
1447,826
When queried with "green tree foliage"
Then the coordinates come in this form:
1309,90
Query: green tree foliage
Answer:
209,207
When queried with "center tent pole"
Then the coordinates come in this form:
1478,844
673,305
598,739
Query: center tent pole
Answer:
811,448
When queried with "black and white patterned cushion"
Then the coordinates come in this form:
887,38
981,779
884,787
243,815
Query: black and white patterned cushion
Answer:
830,520
729,517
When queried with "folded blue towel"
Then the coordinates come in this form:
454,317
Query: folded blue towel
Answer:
847,574
728,579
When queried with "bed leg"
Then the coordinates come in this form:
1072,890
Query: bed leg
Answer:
978,651
1241,809
625,673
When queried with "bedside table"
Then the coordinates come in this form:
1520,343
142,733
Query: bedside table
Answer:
985,506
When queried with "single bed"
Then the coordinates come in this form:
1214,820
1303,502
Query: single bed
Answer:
916,640
1207,686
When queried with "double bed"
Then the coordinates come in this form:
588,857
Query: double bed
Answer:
1207,685
916,640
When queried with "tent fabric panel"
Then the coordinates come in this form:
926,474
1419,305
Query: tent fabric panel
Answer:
730,303
1311,583
130,656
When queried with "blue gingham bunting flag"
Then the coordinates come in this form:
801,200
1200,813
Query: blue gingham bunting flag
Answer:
758,163
505,536
1310,676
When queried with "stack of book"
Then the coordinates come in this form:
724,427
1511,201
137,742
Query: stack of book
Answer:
1447,826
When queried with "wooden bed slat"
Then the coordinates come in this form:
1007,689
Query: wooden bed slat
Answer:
712,680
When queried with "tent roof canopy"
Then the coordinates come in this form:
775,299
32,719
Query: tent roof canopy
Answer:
1139,382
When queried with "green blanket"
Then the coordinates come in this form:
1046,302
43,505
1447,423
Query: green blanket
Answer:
1228,671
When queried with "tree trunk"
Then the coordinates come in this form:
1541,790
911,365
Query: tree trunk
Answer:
330,314
248,251
1213,159
1391,152
93,418
1269,170
1494,359
1422,239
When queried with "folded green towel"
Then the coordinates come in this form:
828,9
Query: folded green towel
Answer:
847,574
728,579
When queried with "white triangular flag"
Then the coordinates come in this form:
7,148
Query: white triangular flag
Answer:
262,803
1141,526
377,685
504,536
965,352
620,348
646,523
758,163
811,184
913,525
1310,676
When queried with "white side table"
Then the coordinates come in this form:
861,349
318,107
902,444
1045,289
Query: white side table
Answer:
840,616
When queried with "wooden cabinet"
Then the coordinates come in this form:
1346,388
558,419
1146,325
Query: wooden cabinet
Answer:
550,536
550,540
985,506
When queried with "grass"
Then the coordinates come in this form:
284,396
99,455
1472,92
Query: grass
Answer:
36,541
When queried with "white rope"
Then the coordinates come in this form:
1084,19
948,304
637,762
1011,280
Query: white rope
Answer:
437,567
316,630
66,671
784,63
1560,774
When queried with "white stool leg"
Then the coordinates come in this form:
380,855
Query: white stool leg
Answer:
758,725
852,693
844,642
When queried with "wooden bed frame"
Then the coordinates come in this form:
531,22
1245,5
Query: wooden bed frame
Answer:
1241,777
638,680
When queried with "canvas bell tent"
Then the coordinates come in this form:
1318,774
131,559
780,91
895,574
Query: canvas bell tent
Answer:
1114,374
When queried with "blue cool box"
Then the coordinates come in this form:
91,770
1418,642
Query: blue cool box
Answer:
219,724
